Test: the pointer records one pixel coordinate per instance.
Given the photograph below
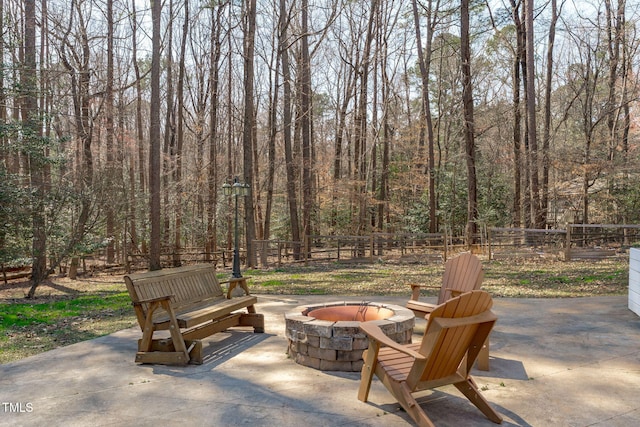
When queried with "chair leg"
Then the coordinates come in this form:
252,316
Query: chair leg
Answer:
403,395
370,357
482,362
470,389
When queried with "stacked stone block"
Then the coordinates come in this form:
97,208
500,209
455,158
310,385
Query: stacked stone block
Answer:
338,346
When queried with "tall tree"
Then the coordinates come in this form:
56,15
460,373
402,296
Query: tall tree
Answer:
426,122
248,133
274,83
536,211
287,119
111,171
305,125
76,58
546,138
360,123
469,125
32,134
154,141
170,134
177,244
518,61
214,84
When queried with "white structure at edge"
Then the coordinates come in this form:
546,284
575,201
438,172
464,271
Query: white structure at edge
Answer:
634,280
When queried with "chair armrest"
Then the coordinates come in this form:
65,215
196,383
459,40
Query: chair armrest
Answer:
415,290
374,333
151,300
420,308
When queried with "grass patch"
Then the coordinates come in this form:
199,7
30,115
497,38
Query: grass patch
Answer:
272,283
61,316
26,314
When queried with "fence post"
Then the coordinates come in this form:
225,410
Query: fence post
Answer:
567,249
305,241
279,253
445,246
371,240
489,243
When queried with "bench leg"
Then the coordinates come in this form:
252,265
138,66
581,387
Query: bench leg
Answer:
146,353
147,331
253,319
174,330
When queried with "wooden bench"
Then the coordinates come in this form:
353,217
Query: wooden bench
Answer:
189,303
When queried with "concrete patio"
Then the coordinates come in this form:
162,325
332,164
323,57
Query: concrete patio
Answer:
555,362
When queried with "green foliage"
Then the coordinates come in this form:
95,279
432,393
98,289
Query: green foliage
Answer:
417,218
452,204
14,221
494,204
338,217
627,200
19,201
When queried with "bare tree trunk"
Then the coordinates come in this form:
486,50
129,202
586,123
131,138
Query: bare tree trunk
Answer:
283,49
154,140
271,148
80,84
547,113
213,130
3,102
139,133
360,124
348,93
305,122
469,126
168,148
517,116
109,208
536,211
424,60
177,244
383,192
136,67
248,129
613,51
31,131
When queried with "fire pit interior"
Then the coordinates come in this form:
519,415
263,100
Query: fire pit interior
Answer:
328,337
359,313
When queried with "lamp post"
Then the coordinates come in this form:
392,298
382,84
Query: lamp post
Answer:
235,190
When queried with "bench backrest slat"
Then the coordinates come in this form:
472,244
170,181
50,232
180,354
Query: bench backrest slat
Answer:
188,285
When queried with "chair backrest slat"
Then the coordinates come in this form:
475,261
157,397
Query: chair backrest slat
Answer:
450,330
462,273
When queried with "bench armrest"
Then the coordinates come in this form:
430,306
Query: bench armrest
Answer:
150,300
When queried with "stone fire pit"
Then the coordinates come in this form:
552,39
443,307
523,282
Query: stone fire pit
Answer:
328,337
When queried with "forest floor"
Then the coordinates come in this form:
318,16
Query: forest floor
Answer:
68,311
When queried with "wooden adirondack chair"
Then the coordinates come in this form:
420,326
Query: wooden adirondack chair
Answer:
462,273
456,331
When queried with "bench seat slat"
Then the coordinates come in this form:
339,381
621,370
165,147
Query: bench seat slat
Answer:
205,311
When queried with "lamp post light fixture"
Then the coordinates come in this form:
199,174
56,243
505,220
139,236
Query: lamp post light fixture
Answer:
236,190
